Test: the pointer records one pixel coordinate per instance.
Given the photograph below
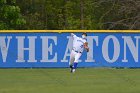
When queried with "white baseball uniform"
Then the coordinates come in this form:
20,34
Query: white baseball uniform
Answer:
78,48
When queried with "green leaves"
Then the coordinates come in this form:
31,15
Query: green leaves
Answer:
10,16
10,11
13,1
2,2
70,14
3,26
18,21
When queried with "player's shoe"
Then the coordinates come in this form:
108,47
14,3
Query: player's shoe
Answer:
71,68
73,71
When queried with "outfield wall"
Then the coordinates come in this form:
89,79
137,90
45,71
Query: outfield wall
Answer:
51,48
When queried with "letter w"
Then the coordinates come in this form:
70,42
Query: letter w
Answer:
4,48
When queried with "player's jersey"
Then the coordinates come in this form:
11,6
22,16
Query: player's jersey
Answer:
78,43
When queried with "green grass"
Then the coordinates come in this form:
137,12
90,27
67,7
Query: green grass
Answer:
85,80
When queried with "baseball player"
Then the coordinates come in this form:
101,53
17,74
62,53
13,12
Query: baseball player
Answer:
79,44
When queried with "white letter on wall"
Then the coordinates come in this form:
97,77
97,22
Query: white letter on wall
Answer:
4,47
21,49
46,49
90,54
133,49
105,49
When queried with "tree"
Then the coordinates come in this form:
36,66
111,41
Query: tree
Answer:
122,14
80,14
10,16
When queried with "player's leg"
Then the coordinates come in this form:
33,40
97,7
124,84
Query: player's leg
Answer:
77,56
71,61
72,58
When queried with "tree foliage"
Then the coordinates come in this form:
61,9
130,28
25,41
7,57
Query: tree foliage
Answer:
124,14
10,16
70,14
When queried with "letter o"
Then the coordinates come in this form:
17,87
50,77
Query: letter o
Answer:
105,50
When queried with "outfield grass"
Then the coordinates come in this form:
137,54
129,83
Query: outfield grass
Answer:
85,80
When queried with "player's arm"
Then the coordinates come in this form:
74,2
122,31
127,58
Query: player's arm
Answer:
86,46
73,35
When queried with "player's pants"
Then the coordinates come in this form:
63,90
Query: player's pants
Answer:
74,57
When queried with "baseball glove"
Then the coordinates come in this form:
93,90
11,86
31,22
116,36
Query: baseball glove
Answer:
86,46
